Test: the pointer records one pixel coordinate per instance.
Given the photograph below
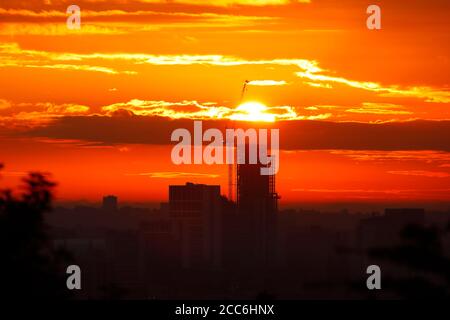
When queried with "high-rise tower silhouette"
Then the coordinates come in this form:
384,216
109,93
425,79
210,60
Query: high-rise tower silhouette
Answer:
257,203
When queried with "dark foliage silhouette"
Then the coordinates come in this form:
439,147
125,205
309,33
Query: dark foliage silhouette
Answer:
30,267
421,251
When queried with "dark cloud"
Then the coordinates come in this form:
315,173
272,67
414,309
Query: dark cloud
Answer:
411,135
294,135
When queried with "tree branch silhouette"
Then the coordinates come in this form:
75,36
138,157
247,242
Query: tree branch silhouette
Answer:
30,266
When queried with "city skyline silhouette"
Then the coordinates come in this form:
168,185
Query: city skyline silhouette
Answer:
117,122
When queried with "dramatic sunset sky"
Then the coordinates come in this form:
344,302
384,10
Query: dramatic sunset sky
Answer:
364,115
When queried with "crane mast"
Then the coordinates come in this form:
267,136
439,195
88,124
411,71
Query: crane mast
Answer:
231,166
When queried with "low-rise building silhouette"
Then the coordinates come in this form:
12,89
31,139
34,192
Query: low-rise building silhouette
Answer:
196,210
110,203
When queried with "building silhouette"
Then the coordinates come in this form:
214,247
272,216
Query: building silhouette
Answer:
392,223
200,245
110,203
257,205
196,211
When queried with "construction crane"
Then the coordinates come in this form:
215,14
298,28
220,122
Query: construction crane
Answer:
244,90
231,182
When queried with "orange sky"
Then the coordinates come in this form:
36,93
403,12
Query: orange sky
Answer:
364,115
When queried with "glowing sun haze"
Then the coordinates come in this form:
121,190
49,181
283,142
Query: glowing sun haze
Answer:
252,111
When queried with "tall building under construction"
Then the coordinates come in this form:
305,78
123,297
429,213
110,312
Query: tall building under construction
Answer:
257,205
